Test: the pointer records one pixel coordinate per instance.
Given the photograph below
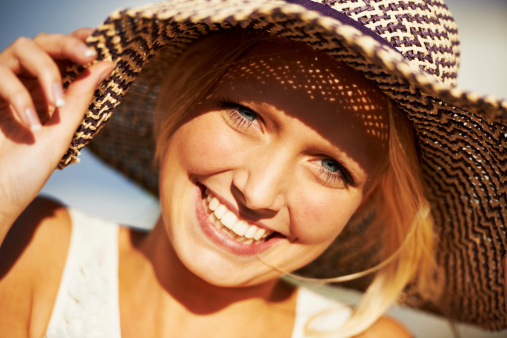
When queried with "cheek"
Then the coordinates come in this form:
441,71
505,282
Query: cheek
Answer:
203,146
320,218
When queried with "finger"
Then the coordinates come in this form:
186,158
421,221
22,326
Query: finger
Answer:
17,96
66,47
82,33
25,56
79,95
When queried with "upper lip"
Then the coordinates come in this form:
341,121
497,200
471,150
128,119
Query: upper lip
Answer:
236,211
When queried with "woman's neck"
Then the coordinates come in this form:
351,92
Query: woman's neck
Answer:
152,275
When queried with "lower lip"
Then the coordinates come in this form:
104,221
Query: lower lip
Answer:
223,240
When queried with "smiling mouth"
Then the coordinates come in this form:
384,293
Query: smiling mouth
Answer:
226,221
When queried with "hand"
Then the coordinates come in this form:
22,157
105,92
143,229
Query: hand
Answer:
37,119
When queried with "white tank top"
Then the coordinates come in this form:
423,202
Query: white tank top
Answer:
87,302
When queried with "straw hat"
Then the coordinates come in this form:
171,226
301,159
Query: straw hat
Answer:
409,48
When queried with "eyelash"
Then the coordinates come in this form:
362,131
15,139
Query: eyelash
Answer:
334,178
232,109
239,121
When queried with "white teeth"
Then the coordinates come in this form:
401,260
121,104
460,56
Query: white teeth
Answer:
218,224
213,204
260,232
251,231
230,233
240,228
229,219
220,211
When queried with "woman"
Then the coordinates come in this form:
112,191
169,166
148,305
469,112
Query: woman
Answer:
238,140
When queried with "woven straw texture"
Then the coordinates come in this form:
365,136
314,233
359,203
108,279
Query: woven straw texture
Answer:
462,137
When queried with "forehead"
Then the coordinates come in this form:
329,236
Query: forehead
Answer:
328,96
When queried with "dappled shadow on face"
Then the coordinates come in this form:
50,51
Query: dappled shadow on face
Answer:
328,96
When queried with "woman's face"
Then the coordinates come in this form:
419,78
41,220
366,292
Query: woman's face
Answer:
270,167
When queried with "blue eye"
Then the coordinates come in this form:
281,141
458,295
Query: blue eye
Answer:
330,165
334,174
247,113
238,115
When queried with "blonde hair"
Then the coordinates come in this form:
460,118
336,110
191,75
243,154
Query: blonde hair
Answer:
408,238
399,194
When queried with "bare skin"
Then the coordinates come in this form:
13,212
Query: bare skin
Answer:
31,82
29,281
37,121
181,302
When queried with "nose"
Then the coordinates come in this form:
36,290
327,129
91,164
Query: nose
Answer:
260,184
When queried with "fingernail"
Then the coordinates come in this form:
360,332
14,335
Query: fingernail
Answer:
32,119
86,51
58,93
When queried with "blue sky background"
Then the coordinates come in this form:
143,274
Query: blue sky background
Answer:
96,189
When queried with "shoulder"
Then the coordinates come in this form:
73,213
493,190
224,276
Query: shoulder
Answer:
386,327
32,259
44,227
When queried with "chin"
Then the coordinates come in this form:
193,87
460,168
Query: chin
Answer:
215,252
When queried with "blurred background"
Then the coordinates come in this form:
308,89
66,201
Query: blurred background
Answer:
98,190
